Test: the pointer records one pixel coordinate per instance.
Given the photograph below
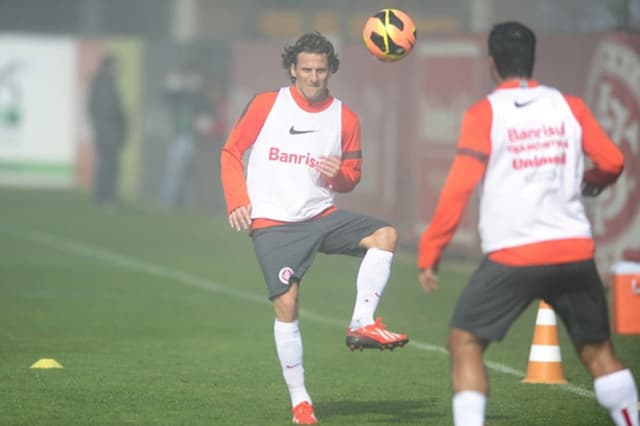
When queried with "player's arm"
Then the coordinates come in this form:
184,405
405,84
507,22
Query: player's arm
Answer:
349,166
467,169
241,137
607,159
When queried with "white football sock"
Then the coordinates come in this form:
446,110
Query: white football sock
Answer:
372,278
617,393
468,408
289,348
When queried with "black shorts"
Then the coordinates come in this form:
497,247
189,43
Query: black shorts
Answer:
497,294
286,252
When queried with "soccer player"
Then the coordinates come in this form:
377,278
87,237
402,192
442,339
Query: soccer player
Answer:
525,143
305,147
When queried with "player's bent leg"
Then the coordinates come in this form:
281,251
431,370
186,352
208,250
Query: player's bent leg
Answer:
384,238
363,332
372,278
373,275
614,386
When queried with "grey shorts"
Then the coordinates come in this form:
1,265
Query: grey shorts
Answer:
286,252
497,294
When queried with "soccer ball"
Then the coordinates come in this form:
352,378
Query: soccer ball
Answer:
389,35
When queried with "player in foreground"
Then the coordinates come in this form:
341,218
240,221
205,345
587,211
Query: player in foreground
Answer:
525,143
305,146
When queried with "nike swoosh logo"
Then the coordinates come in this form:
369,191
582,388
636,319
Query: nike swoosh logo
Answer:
290,366
293,131
523,104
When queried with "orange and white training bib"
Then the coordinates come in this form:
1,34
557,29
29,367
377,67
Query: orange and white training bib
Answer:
531,186
282,180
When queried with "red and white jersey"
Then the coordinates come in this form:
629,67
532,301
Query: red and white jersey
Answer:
524,144
287,134
531,187
282,178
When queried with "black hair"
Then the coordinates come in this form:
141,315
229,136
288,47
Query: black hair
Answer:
512,46
312,42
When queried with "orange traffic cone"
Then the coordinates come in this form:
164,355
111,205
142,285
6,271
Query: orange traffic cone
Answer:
545,360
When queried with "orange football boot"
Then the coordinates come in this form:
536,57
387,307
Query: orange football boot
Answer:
375,336
303,414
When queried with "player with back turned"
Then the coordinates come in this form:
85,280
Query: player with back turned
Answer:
305,146
525,144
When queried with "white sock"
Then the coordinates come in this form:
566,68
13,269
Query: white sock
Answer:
372,278
617,393
289,348
468,408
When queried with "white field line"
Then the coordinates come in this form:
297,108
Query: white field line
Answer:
131,264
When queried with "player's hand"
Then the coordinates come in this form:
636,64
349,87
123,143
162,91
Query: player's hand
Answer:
329,166
590,189
428,279
240,218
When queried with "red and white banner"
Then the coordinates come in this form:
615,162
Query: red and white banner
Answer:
613,92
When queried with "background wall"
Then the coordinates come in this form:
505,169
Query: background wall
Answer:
410,111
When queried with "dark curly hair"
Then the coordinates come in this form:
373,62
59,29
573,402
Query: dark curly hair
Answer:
312,42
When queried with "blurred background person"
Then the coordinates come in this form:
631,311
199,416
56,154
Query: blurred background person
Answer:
190,111
217,133
109,123
218,118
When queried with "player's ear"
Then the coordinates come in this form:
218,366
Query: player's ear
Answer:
292,71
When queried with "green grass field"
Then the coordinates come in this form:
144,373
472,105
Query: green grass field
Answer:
163,319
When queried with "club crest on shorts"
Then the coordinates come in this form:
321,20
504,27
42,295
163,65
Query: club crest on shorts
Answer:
285,274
